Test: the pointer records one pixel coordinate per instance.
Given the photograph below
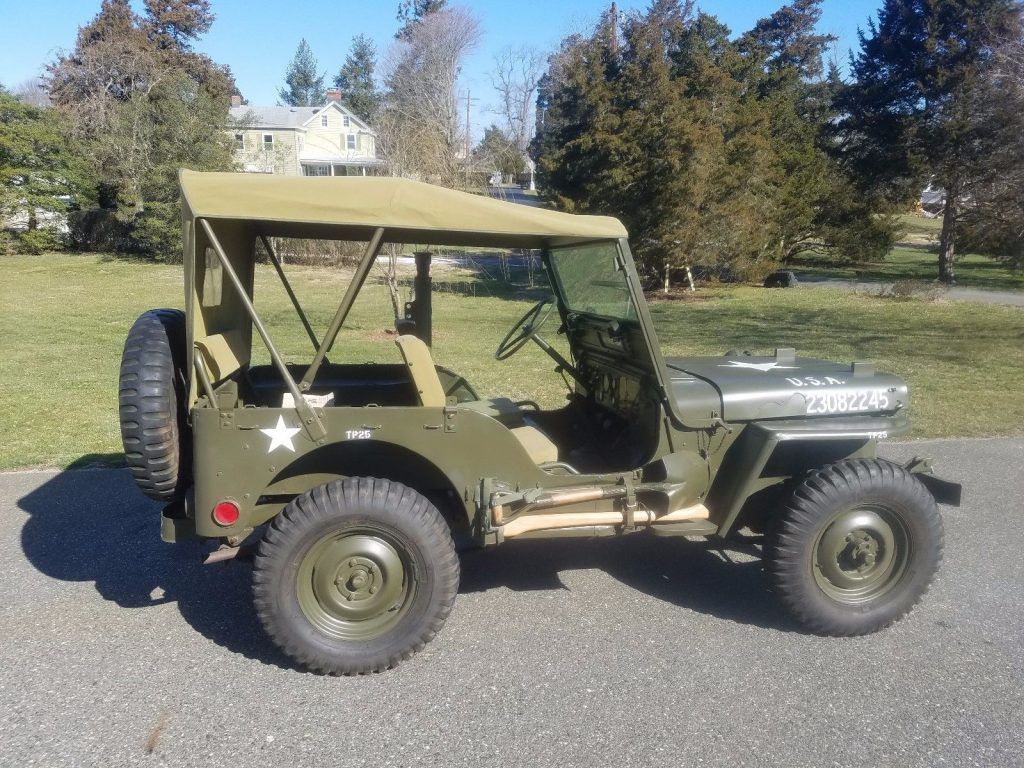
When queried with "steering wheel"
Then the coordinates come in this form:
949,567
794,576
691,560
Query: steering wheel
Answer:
525,329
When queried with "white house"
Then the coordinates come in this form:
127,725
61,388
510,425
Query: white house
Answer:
303,141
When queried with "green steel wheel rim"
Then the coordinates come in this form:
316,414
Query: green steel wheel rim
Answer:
355,584
861,554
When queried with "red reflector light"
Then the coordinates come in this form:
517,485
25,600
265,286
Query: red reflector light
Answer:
226,513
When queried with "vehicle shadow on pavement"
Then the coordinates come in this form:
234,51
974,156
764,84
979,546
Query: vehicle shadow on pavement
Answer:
94,525
719,580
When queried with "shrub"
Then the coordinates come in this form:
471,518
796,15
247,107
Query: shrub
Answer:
904,290
157,232
97,229
36,241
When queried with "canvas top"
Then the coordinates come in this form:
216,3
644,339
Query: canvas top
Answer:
351,207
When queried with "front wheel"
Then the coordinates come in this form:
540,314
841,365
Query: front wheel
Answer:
855,548
355,576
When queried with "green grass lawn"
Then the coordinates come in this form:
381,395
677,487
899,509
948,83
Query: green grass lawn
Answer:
64,319
915,257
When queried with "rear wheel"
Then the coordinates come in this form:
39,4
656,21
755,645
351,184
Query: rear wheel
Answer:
355,576
856,547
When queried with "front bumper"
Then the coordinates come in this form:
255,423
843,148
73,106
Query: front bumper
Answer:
944,491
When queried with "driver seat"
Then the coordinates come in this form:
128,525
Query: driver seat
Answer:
418,359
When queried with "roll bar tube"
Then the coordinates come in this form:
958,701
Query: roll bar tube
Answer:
288,289
369,257
310,421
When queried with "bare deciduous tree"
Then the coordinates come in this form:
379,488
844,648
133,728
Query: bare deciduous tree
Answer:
515,76
387,267
418,127
33,92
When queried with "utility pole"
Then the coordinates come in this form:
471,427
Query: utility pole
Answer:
469,101
615,29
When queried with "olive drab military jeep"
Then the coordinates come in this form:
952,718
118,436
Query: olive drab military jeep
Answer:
354,481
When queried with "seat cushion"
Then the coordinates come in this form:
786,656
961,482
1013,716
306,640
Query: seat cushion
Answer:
421,366
223,354
497,408
537,444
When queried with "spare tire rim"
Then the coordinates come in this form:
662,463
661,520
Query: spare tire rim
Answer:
355,584
861,554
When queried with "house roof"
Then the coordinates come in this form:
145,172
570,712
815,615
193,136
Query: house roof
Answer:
410,211
287,117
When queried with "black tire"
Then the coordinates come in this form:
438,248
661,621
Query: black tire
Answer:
151,399
316,547
855,548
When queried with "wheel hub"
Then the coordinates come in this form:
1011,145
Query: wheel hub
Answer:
860,554
354,585
861,551
358,578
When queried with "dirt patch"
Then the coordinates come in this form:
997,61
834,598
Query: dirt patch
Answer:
384,334
679,294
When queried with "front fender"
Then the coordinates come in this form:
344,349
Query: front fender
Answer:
743,470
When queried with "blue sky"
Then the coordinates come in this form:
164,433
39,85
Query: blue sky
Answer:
257,42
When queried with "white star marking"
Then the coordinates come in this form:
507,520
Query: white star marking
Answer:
281,435
763,367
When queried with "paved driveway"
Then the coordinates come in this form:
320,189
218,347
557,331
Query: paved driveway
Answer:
118,650
956,292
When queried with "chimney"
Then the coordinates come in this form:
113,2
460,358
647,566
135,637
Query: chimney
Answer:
236,100
333,94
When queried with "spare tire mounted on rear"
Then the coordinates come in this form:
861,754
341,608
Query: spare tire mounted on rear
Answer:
152,407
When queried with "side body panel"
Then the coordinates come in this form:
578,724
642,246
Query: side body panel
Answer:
245,455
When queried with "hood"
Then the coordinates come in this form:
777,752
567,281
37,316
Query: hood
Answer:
786,386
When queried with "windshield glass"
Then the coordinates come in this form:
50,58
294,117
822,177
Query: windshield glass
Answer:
591,282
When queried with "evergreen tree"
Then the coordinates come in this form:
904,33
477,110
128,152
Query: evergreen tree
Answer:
908,115
38,169
650,175
174,24
499,152
708,148
304,84
728,215
784,57
576,144
355,79
411,12
141,104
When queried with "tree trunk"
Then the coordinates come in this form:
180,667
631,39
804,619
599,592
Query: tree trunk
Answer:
947,241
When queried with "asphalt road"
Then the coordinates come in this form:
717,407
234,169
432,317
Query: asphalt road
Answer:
956,292
118,650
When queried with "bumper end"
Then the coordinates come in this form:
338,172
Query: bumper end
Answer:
175,524
944,491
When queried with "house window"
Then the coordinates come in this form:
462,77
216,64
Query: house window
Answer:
323,120
310,169
239,141
345,121
350,141
268,142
